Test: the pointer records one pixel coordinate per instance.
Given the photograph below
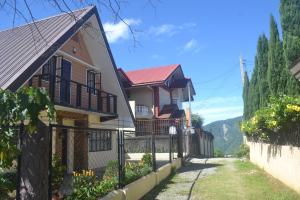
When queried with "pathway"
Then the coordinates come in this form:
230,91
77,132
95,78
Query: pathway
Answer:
181,186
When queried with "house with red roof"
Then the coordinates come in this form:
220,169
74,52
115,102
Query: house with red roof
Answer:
157,93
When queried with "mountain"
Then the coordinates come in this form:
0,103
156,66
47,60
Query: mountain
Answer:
227,134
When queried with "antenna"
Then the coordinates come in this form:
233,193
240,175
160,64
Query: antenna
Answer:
242,68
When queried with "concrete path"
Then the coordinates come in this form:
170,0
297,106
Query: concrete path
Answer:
181,185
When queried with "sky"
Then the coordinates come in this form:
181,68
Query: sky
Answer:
206,37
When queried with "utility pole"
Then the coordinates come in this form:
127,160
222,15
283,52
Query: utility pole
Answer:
242,68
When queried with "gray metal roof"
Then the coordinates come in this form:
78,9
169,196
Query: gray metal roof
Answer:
21,46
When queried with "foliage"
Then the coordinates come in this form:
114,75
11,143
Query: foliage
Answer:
280,111
243,152
111,169
8,182
277,79
24,105
147,159
197,121
245,95
58,171
218,153
87,186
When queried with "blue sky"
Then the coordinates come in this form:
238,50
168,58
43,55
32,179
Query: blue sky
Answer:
206,37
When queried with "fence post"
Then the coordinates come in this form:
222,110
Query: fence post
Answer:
121,158
179,143
170,148
50,164
153,153
21,130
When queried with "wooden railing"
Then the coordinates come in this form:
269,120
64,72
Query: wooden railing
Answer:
73,94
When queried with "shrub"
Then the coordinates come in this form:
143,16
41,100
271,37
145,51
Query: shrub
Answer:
147,159
111,170
280,112
8,183
218,153
243,152
58,171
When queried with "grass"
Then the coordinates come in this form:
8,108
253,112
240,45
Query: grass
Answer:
238,180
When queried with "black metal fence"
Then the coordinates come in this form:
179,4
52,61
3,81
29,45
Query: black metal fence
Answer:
64,151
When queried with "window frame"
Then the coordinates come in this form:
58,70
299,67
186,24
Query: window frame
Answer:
100,140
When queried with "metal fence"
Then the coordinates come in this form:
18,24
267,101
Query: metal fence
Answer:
62,151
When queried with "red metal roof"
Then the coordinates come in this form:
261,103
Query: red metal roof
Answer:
151,75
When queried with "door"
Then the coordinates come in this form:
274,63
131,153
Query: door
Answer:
65,82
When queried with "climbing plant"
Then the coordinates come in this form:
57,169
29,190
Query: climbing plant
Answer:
23,106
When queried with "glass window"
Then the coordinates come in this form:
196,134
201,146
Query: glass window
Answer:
49,68
91,81
100,140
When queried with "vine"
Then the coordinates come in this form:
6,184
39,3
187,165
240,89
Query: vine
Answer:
25,105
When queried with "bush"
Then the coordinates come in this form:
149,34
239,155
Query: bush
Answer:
280,112
243,152
111,170
147,159
218,153
8,183
58,172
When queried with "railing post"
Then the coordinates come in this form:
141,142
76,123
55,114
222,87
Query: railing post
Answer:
78,94
99,101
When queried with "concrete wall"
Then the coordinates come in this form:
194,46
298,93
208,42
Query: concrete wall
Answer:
143,96
282,162
137,189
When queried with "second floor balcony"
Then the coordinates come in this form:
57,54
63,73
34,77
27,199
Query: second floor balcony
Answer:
73,94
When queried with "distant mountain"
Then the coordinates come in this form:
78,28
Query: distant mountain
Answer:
227,134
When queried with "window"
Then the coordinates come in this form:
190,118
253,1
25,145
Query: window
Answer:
49,68
91,81
100,140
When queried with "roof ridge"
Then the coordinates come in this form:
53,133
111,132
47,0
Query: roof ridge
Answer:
52,16
157,67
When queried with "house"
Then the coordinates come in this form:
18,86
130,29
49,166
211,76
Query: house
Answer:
296,69
68,54
157,94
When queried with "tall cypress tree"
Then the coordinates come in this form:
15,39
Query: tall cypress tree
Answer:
253,95
246,96
290,22
262,64
277,77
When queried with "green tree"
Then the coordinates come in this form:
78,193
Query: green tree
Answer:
290,22
246,96
277,77
262,64
253,96
197,121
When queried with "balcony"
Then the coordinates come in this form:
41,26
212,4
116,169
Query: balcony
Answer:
72,94
142,111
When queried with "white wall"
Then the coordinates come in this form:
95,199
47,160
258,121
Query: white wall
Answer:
143,96
282,162
164,97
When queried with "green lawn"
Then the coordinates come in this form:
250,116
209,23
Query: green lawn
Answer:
237,180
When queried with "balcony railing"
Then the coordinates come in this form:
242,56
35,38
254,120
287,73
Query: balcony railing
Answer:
73,94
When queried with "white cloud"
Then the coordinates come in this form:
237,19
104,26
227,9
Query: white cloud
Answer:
170,29
120,30
191,45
